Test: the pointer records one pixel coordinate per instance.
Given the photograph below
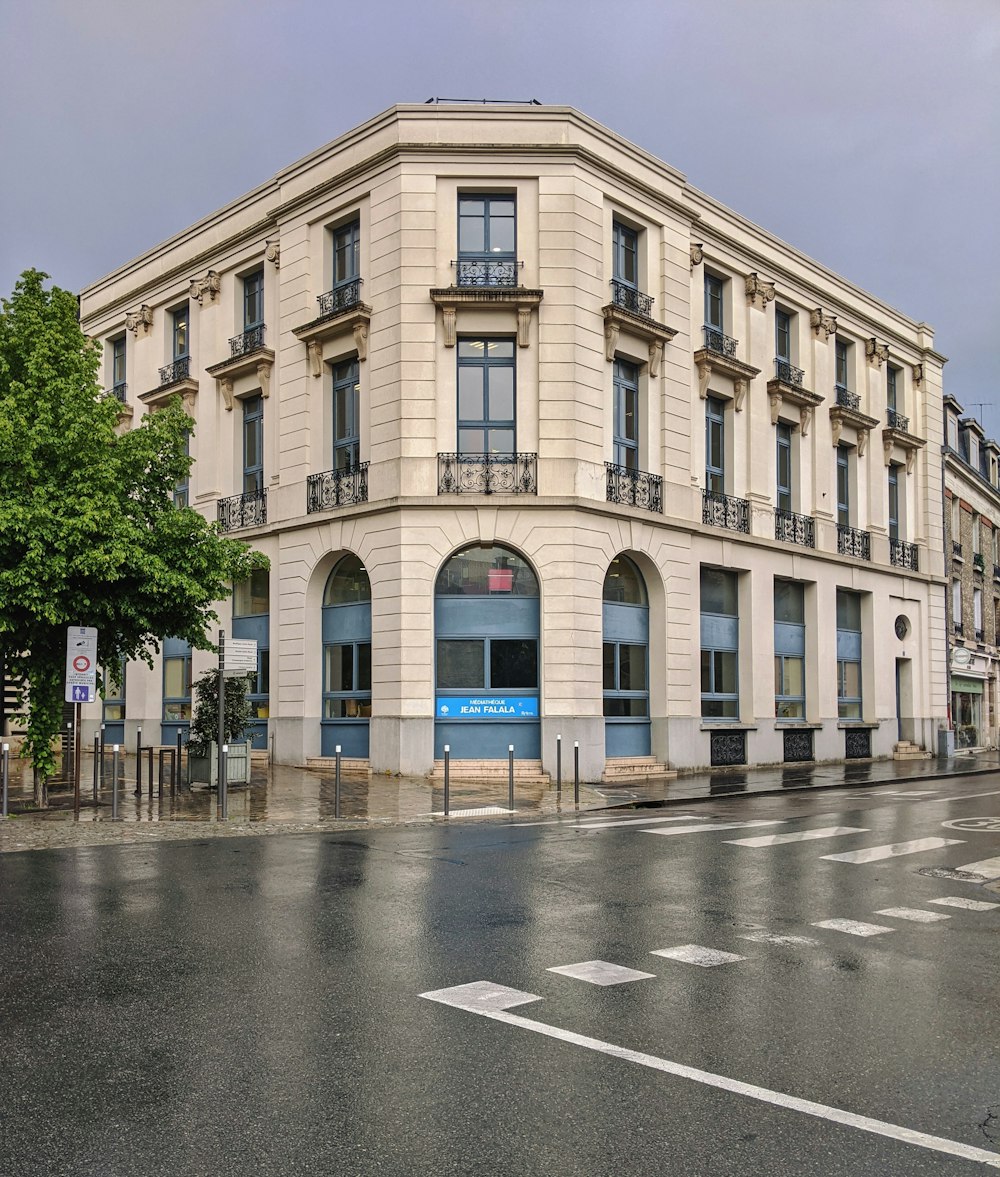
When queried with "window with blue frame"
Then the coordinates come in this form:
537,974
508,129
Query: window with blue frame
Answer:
844,485
789,650
783,336
251,621
487,236
842,362
253,445
849,699
894,502
347,647
113,703
783,436
626,662
118,371
176,682
892,388
715,446
720,644
626,415
253,300
486,397
346,415
714,305
346,254
182,491
180,339
625,255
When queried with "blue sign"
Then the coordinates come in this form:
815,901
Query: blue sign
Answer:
81,695
487,707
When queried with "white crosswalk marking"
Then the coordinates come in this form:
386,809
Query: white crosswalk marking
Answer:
706,958
914,914
988,868
967,904
779,938
803,836
853,927
896,849
718,827
635,821
601,972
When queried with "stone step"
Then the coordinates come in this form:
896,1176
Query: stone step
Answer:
618,768
907,750
349,765
491,771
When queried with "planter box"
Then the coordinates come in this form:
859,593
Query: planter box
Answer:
204,770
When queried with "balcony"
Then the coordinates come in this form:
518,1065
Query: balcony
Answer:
175,372
979,635
117,391
488,474
337,488
852,541
725,511
787,373
903,555
342,315
897,421
846,399
248,357
486,271
996,571
632,311
956,549
245,510
794,529
978,563
958,629
627,298
634,488
247,342
720,344
342,298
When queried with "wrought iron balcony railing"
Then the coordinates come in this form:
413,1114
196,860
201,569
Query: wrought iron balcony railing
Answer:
794,529
337,488
902,554
487,271
897,421
634,488
845,398
344,297
979,635
978,562
247,342
179,369
488,474
117,391
996,571
787,373
958,628
956,548
720,343
725,511
852,541
245,510
630,299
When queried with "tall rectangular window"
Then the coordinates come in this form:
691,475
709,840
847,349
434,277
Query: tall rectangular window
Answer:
977,533
253,445
626,415
176,686
180,339
783,435
486,418
118,375
253,300
956,604
720,643
849,701
625,254
487,234
894,502
844,485
842,363
346,415
714,310
783,336
715,446
182,490
892,388
789,650
346,253
977,612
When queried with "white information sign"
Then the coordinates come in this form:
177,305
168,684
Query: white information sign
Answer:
81,664
240,655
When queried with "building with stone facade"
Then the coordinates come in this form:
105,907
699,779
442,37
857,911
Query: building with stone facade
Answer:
972,549
542,442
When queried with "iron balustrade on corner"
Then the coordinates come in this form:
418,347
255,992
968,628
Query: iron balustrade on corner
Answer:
117,391
720,343
630,299
247,342
996,571
719,510
903,554
337,488
245,510
897,421
634,488
845,398
488,474
956,548
787,373
978,563
794,529
342,298
173,373
852,541
482,271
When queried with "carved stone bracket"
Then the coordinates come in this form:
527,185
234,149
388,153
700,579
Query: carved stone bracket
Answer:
488,298
900,438
805,419
655,355
449,320
225,386
353,323
759,293
655,335
876,352
140,322
264,376
739,392
314,350
704,376
360,330
697,254
258,363
781,391
860,422
708,361
774,399
273,253
611,332
820,322
207,287
918,374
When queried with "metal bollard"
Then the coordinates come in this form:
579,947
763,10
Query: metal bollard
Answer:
447,779
98,765
559,765
510,776
222,811
576,772
177,782
149,749
68,769
102,754
4,776
336,785
138,761
114,782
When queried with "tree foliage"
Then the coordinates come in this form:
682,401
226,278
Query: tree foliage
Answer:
239,709
89,534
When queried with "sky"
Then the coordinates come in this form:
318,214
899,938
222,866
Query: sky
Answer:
866,133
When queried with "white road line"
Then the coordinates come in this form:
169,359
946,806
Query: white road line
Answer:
601,972
635,821
913,913
987,868
853,927
779,938
495,1003
966,904
970,796
803,836
705,958
895,850
717,828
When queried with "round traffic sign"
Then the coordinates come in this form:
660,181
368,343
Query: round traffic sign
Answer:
81,663
974,825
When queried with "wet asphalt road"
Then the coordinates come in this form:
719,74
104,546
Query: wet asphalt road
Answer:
253,1007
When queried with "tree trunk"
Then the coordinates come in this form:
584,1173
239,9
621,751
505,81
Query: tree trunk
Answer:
41,784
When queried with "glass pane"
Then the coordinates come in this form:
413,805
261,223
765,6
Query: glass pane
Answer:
725,671
609,668
501,394
113,711
176,683
630,414
339,674
460,663
251,597
513,663
471,403
471,349
848,610
473,572
790,709
360,708
623,583
262,686
622,707
851,679
789,602
719,709
348,583
176,712
471,441
471,227
501,227
718,592
706,672
364,666
795,676
632,667
500,441
500,349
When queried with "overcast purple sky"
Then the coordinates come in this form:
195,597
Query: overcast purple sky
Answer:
864,132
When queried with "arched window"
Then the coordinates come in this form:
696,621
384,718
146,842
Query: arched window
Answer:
347,658
626,660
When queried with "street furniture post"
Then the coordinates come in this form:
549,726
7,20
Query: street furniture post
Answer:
336,784
114,782
576,772
559,765
510,776
447,782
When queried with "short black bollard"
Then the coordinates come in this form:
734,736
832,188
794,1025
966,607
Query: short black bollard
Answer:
176,783
576,772
114,782
4,776
102,754
149,749
336,785
559,764
510,776
222,811
98,766
447,779
138,761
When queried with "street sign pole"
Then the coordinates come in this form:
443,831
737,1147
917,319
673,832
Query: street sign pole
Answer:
76,765
220,808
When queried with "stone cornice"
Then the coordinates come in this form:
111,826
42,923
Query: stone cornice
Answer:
259,363
656,335
186,389
840,415
315,334
520,299
906,441
780,391
708,361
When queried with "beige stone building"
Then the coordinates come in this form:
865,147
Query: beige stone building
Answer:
542,442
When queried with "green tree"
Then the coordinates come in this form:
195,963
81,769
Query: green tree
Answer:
89,534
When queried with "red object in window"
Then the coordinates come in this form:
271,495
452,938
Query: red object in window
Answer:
500,580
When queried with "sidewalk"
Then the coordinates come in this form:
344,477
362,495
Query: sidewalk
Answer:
284,799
